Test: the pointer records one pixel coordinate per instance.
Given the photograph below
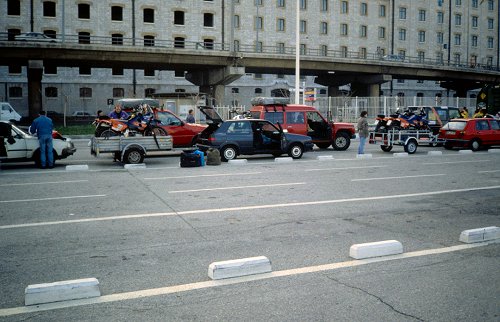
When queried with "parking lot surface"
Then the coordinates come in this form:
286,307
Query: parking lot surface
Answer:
149,235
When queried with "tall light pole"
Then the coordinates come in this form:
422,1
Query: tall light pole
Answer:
297,54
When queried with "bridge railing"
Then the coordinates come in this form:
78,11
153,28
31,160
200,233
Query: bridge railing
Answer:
180,44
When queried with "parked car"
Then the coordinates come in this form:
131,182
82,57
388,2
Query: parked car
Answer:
20,146
305,120
81,114
396,58
8,113
183,134
471,133
249,136
36,36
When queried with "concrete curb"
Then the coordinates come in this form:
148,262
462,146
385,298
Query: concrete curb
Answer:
400,154
376,249
493,150
61,291
137,166
465,151
480,235
77,167
364,156
238,161
239,267
283,159
435,153
325,157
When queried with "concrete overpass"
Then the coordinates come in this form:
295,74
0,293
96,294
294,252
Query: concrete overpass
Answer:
212,69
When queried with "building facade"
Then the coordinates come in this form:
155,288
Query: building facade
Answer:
456,32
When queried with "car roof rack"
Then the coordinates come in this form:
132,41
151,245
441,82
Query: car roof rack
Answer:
270,101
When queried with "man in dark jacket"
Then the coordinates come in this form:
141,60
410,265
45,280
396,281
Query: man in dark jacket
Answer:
42,126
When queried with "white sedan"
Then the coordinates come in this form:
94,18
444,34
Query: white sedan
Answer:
35,36
19,146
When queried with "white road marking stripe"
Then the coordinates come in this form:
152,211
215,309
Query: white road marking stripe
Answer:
204,175
54,198
38,183
232,281
488,171
241,187
347,168
453,162
402,177
270,206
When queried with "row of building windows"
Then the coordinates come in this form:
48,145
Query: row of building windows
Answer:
85,92
49,10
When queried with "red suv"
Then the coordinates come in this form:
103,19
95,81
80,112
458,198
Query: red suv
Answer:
305,120
471,133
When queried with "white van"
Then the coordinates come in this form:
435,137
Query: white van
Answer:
7,112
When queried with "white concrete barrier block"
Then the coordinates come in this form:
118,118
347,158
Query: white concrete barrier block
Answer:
400,154
238,161
283,159
324,157
239,267
480,234
364,156
493,150
376,249
77,167
465,151
435,153
61,291
137,166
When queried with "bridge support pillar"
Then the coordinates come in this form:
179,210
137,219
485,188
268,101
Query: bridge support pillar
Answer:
213,81
367,85
461,87
35,72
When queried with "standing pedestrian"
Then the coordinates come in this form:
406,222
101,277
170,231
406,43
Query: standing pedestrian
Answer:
362,131
42,126
190,117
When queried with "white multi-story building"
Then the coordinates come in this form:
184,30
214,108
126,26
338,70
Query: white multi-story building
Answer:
458,32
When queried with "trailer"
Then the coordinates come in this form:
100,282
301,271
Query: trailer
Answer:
130,149
409,139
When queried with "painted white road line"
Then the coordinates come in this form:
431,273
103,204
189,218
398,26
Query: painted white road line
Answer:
39,183
347,168
239,209
402,177
454,162
241,187
204,175
54,198
141,294
488,171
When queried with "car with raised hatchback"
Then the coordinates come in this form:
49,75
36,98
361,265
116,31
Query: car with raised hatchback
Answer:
19,146
474,134
304,120
249,137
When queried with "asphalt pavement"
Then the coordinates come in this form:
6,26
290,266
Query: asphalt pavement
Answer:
149,235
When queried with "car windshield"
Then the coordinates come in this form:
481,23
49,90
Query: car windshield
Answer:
455,126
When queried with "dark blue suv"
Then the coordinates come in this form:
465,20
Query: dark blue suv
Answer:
249,136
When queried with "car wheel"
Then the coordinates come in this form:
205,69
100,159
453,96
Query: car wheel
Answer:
475,145
342,141
228,153
133,156
295,151
386,148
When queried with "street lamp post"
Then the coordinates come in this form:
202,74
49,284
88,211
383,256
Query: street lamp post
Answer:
297,54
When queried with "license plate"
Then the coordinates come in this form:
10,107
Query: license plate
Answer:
450,132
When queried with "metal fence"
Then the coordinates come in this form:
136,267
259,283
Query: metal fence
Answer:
348,108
